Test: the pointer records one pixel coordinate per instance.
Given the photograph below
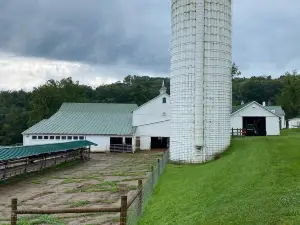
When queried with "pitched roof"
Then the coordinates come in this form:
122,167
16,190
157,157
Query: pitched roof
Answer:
234,109
34,150
88,118
160,95
277,108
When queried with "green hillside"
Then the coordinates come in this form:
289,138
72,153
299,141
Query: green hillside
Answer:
257,181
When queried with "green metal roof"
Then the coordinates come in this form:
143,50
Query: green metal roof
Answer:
34,150
88,118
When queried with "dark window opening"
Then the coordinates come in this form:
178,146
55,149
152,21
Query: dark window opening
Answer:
159,142
128,141
81,138
46,137
69,137
33,137
164,100
57,137
116,140
51,137
63,137
75,137
40,137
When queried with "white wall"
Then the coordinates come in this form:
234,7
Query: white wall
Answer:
255,110
152,111
145,143
236,122
283,123
145,132
102,142
272,125
294,123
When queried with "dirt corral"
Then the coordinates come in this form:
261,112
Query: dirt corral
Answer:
96,183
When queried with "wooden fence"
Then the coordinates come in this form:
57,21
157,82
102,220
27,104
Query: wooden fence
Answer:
238,132
139,198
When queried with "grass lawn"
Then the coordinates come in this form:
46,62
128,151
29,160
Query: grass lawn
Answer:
257,181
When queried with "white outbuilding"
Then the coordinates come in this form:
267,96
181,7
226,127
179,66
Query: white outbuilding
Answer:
256,119
294,122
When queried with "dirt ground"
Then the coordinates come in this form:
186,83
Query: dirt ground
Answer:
95,183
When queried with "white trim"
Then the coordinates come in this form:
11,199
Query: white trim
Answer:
151,101
254,102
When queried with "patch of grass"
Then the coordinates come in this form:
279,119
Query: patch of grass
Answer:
36,181
256,181
36,220
79,203
71,180
111,186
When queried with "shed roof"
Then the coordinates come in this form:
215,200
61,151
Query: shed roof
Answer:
278,110
88,118
34,150
234,109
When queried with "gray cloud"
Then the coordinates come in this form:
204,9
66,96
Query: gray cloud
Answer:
137,33
100,32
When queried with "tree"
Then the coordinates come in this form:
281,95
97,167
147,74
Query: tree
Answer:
235,71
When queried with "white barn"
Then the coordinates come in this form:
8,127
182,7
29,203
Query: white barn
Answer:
152,122
266,121
112,126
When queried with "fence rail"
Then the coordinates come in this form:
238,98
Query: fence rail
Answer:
130,209
238,132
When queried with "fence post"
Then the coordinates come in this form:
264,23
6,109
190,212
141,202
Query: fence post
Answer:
140,201
152,174
123,214
231,131
158,168
14,216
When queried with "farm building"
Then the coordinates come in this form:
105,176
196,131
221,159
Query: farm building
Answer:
256,118
113,127
127,127
294,122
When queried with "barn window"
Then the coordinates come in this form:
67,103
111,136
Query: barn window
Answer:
33,137
63,137
81,138
69,137
164,100
40,137
51,137
75,137
57,137
46,137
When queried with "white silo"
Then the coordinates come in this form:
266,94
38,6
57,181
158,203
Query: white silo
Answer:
200,79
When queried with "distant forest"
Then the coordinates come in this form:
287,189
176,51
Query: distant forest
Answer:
20,109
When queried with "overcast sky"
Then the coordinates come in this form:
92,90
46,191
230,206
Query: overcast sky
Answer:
101,41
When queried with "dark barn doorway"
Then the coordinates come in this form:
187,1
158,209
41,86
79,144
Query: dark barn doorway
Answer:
255,126
159,142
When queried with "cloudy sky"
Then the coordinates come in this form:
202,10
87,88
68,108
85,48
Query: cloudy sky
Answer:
101,41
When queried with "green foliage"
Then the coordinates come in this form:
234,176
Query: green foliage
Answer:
255,182
20,109
79,203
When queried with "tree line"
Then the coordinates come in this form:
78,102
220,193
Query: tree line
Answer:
20,109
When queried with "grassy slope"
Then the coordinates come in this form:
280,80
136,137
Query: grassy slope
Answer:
257,181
